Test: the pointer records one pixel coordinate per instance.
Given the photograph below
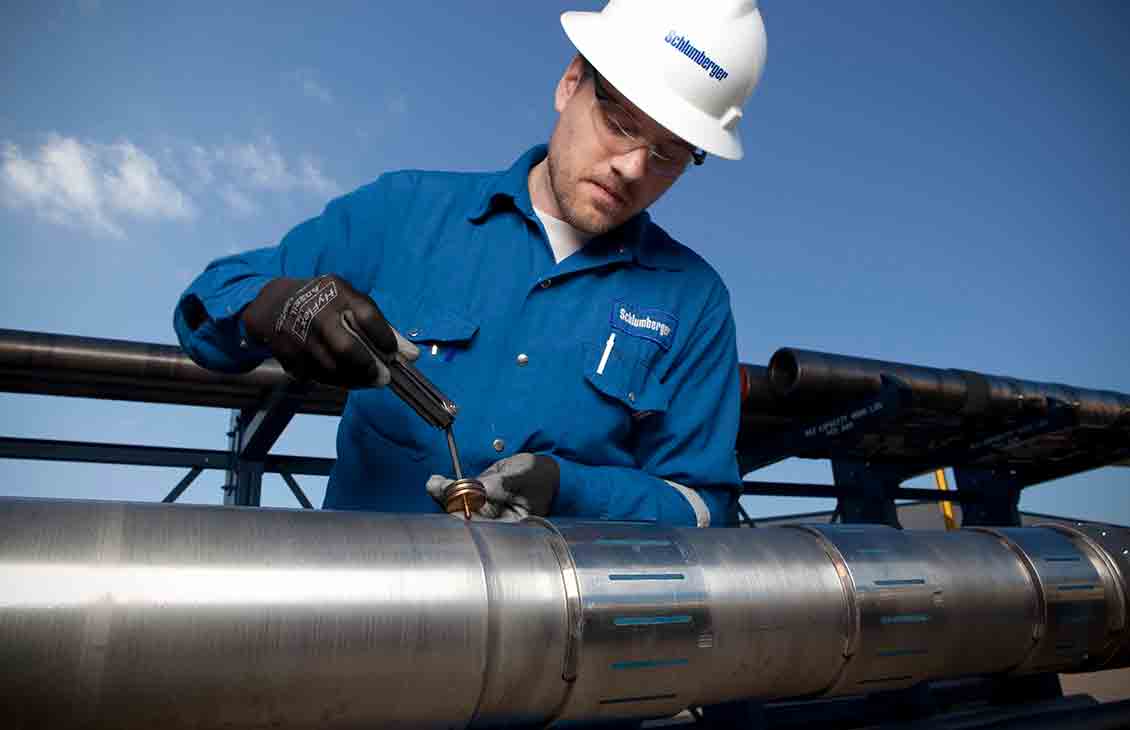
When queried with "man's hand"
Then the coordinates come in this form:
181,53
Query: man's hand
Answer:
299,320
517,487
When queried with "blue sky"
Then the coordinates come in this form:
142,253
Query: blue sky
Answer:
942,183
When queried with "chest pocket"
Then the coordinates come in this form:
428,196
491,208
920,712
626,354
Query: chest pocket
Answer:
625,371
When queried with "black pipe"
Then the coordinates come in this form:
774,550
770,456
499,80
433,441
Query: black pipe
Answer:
797,382
802,379
52,364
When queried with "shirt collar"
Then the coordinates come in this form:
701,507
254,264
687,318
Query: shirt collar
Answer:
512,187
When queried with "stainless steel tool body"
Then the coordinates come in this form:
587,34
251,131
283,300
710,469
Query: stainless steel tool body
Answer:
175,616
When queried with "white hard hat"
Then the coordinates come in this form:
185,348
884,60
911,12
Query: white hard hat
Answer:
688,64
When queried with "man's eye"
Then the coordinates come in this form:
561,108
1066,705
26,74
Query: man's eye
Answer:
623,125
675,153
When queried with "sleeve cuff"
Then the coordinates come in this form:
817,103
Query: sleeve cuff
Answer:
231,301
212,332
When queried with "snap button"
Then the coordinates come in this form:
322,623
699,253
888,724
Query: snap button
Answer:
632,397
413,332
523,358
545,283
498,445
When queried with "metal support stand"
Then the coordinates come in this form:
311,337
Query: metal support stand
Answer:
296,490
244,487
250,437
183,484
744,520
240,485
999,496
870,490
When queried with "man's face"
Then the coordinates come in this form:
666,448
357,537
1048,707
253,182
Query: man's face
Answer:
595,188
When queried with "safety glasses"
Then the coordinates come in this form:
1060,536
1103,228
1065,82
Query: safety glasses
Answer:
620,132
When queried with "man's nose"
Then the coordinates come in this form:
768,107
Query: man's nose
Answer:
631,165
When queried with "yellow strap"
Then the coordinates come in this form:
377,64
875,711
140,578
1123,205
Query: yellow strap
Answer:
947,507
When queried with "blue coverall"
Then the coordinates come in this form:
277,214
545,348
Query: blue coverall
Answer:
620,362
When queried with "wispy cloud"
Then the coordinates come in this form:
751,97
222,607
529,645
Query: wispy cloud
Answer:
200,162
237,201
260,165
91,186
307,81
101,187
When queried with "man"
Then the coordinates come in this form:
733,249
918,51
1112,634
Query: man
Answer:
593,358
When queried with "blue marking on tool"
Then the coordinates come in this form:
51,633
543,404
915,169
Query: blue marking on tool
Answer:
650,620
646,576
1062,559
628,542
902,582
1076,587
651,663
905,618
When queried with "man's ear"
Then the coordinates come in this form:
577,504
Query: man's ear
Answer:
569,83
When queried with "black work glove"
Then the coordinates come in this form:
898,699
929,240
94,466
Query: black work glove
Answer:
300,321
517,487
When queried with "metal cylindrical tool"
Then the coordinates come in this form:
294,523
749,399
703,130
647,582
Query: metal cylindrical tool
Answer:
409,384
406,382
135,616
462,495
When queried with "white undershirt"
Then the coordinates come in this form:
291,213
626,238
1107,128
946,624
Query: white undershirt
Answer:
564,239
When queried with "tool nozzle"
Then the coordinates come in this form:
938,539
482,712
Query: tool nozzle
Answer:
464,495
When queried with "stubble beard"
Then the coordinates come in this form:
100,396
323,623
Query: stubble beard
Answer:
563,186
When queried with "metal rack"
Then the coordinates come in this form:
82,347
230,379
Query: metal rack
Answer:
262,402
881,423
878,423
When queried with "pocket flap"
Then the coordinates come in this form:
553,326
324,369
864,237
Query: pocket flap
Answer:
439,326
627,376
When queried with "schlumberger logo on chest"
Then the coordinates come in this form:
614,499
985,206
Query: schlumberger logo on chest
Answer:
646,322
682,44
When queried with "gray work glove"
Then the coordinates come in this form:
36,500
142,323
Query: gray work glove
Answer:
517,487
325,330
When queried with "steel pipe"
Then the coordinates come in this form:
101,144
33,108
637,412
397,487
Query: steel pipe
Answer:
180,616
802,378
52,364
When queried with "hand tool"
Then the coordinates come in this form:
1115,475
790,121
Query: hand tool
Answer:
410,385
